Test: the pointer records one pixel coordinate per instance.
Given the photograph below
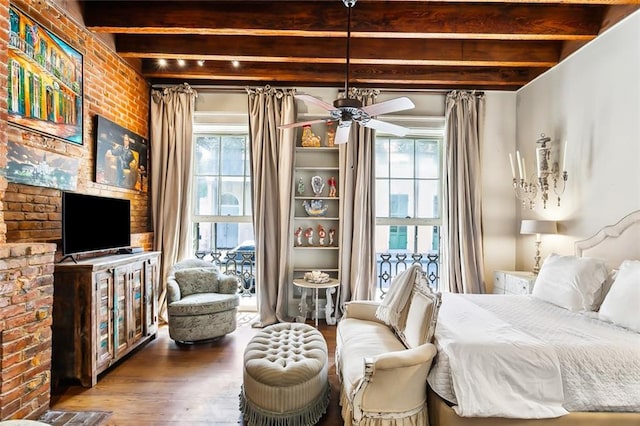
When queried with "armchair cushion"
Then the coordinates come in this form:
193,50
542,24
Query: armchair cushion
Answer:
203,304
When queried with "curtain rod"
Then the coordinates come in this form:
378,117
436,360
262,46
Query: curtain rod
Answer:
242,89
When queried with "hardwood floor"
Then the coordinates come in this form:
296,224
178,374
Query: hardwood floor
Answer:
166,384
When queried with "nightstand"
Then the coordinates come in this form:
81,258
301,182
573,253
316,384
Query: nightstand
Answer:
513,282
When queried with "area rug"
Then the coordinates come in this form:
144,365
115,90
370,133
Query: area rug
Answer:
246,318
75,418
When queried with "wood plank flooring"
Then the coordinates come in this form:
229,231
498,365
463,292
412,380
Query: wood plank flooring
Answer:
167,384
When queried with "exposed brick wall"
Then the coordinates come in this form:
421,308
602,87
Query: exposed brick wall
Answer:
30,217
26,301
4,55
112,89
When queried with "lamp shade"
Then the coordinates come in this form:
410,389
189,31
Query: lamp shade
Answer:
538,227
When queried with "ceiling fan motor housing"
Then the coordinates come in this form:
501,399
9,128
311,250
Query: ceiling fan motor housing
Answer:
347,103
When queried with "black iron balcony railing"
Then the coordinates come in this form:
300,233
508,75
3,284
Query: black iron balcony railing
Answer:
388,265
242,265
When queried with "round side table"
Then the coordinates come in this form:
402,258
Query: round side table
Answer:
330,287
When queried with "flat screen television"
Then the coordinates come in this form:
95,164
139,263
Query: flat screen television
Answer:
92,223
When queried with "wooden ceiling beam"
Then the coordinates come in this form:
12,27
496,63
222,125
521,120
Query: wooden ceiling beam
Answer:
330,74
376,19
329,50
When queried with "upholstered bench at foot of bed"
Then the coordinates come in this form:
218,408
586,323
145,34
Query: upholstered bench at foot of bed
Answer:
285,376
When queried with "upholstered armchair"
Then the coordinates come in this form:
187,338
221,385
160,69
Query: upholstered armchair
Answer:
202,302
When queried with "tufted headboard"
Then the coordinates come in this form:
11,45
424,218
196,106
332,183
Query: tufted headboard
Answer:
614,243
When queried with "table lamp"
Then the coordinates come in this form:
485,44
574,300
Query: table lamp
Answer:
538,227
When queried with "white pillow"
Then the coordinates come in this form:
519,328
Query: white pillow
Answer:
621,306
571,282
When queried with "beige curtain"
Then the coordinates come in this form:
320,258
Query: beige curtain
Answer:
357,213
272,153
462,252
171,142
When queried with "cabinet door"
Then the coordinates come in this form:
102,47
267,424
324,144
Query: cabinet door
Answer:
151,295
135,306
120,297
104,321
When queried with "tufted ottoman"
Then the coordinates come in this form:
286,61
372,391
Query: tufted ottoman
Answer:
285,376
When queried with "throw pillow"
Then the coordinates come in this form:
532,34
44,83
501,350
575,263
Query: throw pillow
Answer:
621,306
197,280
570,282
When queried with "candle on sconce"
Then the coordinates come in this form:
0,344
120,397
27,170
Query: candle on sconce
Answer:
564,157
519,160
513,170
524,169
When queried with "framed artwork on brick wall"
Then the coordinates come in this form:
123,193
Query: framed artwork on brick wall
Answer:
121,156
34,166
44,81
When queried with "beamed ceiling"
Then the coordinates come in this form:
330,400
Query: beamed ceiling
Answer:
407,45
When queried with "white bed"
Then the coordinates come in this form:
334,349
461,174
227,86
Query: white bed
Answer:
507,359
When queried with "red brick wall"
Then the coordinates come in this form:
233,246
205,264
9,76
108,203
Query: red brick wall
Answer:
4,54
31,215
112,89
26,300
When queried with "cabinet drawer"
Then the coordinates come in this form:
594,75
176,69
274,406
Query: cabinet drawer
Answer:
498,283
518,286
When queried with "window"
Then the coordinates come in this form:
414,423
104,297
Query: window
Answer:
408,185
222,191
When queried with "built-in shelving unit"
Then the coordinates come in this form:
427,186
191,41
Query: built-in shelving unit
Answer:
308,254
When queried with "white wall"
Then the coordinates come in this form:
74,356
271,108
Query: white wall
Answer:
591,100
498,203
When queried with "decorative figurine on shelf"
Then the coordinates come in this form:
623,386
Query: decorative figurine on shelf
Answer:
322,234
331,133
315,207
332,234
300,187
308,138
332,186
317,185
308,234
298,235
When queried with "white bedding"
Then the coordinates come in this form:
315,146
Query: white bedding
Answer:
599,362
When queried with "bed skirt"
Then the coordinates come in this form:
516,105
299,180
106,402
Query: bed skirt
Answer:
441,414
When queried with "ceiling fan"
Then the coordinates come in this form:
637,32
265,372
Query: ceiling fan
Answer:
347,110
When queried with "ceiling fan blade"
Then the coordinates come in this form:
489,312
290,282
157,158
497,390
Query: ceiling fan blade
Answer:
342,132
308,99
302,123
385,127
386,107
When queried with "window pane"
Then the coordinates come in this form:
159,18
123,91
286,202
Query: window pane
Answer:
247,198
207,148
427,159
232,192
401,158
382,157
382,198
206,199
428,199
233,155
212,236
401,198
